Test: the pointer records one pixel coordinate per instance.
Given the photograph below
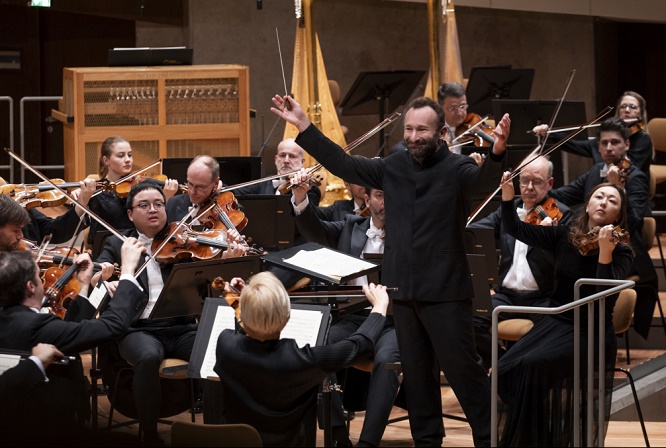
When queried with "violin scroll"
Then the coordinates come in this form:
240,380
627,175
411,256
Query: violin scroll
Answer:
591,241
548,209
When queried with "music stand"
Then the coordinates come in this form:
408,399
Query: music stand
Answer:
270,222
382,92
477,268
483,243
487,83
189,283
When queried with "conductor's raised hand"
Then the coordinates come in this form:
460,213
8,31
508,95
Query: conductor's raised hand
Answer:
378,297
130,253
508,192
501,133
293,114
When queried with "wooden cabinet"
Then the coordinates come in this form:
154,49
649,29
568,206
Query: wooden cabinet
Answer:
175,111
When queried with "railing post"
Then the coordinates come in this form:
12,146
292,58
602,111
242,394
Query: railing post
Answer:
24,100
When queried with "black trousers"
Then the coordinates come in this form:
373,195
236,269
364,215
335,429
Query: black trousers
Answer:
432,332
384,383
145,350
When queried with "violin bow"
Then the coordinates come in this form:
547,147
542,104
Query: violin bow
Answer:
535,155
470,129
556,112
67,195
130,176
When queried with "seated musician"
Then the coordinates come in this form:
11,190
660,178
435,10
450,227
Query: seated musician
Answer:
525,272
343,207
289,157
451,96
60,406
115,163
148,342
203,179
269,382
356,235
630,107
613,145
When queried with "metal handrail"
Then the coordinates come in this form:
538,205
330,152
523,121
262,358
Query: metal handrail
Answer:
22,126
575,305
10,100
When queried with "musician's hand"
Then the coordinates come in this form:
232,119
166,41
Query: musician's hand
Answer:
508,192
295,116
130,254
234,250
478,158
233,236
111,287
104,274
47,353
541,130
84,272
170,188
300,182
548,222
615,177
378,297
607,243
83,194
237,283
501,133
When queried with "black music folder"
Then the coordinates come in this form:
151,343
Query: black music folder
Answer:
189,283
308,324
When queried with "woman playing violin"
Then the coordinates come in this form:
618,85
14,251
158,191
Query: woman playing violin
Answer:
535,375
630,107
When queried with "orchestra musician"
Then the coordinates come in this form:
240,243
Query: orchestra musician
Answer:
61,405
525,272
428,194
339,209
613,145
453,99
355,235
203,181
269,382
630,107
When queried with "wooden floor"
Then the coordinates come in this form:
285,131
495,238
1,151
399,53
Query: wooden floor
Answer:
458,434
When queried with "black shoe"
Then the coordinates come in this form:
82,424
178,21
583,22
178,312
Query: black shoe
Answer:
341,436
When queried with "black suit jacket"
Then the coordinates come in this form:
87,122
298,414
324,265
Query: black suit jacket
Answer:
61,228
314,195
273,385
336,211
348,235
541,262
20,379
426,207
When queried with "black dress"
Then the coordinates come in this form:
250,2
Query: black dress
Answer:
112,209
536,375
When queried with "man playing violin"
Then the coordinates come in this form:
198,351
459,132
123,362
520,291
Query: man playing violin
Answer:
630,107
525,272
60,405
428,195
452,97
203,181
613,145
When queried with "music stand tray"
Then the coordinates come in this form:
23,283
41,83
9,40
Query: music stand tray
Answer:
487,83
270,224
189,283
279,259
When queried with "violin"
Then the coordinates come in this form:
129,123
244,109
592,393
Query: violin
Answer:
232,296
639,126
591,240
625,167
224,213
317,178
123,189
480,134
60,288
30,196
548,209
57,256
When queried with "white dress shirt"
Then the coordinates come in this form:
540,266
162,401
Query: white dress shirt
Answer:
520,277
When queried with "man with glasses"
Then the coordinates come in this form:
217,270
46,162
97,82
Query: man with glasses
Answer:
613,145
630,108
525,272
203,179
148,342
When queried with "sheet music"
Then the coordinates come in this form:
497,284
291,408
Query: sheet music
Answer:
329,263
224,319
303,326
8,361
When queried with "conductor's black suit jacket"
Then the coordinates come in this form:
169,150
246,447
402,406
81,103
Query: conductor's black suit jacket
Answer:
426,210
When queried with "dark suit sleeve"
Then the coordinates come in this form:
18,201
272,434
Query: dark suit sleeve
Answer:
111,251
484,179
61,228
538,236
251,189
637,188
315,230
492,221
80,309
345,352
19,379
583,148
640,151
572,194
72,338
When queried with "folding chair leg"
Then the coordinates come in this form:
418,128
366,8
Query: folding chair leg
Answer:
638,406
626,345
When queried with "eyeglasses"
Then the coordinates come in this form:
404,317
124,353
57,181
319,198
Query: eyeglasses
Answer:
191,186
536,183
628,106
455,108
145,206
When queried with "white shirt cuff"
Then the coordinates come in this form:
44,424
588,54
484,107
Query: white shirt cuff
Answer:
38,361
298,209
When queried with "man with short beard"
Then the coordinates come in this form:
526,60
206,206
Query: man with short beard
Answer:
428,193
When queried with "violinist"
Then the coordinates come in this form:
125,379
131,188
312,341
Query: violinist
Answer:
356,235
630,107
61,405
613,145
203,181
115,162
536,375
148,342
525,272
452,97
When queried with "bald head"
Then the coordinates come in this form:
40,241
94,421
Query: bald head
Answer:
289,156
203,175
536,180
